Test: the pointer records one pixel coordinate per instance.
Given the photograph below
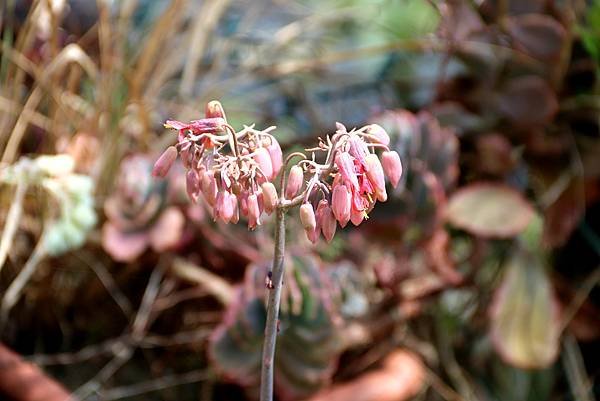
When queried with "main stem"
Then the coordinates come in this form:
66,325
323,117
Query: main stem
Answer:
268,355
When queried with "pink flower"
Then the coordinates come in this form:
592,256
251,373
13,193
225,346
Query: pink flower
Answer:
345,165
294,182
341,204
375,175
326,220
270,198
379,134
164,162
307,217
276,156
263,159
392,166
253,212
192,184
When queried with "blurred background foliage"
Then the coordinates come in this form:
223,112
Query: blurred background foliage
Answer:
477,280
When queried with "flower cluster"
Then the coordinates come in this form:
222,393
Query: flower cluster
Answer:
352,179
340,182
233,170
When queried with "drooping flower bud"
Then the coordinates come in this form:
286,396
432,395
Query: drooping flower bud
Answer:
345,165
276,156
307,217
253,211
313,235
375,175
192,184
341,204
378,133
294,182
326,220
392,166
164,162
214,109
263,159
209,188
357,216
235,216
270,198
224,206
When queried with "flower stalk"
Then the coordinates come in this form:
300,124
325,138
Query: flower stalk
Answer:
273,302
235,172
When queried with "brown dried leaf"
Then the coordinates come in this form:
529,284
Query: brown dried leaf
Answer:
489,210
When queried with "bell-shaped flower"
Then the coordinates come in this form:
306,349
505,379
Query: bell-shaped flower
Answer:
253,211
270,198
276,156
263,159
326,220
378,133
345,165
392,166
341,204
307,217
164,162
294,182
374,172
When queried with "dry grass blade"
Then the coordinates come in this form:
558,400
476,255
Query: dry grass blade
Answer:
12,221
211,11
12,295
70,54
218,287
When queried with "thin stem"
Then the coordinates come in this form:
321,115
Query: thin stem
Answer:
268,355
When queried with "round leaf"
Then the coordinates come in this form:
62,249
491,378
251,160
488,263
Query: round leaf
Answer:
489,210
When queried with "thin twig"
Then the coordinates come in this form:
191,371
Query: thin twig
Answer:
575,368
109,283
159,383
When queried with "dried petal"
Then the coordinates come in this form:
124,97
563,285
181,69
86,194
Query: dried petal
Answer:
164,162
341,204
270,197
263,159
376,177
307,217
174,124
294,182
392,166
